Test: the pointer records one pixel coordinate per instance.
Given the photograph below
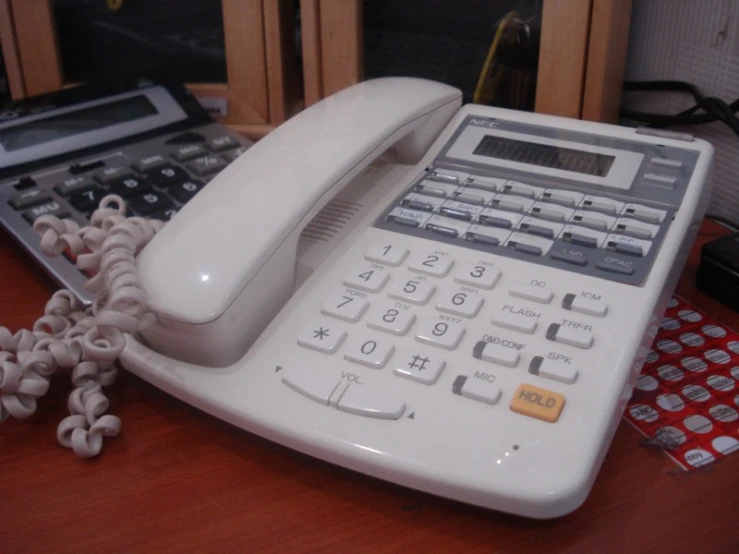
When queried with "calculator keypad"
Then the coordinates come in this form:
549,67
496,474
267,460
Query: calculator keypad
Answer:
154,185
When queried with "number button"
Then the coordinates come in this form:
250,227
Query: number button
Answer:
167,175
444,334
324,337
412,290
477,275
386,254
87,200
183,192
366,278
461,303
130,186
150,203
431,263
391,318
369,352
346,307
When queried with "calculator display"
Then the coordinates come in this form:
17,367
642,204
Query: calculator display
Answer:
544,155
74,122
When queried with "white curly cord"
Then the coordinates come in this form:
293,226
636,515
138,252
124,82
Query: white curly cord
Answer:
89,341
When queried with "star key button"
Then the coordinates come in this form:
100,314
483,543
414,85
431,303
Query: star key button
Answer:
322,336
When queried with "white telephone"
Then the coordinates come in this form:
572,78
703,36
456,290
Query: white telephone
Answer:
475,333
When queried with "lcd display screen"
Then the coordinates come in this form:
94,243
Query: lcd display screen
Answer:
70,123
544,155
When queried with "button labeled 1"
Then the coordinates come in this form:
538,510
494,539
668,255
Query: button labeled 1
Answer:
389,254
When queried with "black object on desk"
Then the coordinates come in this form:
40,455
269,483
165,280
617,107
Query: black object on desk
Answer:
718,274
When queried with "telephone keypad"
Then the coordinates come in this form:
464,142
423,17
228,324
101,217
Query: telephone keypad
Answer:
345,306
366,278
458,302
324,337
443,334
367,351
391,317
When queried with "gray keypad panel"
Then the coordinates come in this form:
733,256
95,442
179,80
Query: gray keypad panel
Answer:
609,232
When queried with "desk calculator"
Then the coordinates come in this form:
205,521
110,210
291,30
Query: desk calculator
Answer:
61,153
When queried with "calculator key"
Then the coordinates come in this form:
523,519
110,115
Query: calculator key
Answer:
25,183
49,208
369,352
345,306
482,388
207,165
130,186
111,174
89,199
149,163
164,215
189,152
150,203
233,154
581,338
461,303
221,144
366,278
444,334
542,295
74,184
323,337
421,367
188,137
477,275
388,254
552,369
390,318
183,192
371,402
584,305
28,198
167,175
538,403
430,263
515,322
315,385
412,290
496,353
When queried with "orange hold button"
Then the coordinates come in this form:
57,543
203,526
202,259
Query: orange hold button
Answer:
537,402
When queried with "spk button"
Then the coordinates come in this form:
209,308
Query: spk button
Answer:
537,402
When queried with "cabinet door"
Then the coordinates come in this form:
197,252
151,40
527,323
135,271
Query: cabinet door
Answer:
230,52
580,61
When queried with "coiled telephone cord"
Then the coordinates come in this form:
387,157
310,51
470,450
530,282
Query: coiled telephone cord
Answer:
86,341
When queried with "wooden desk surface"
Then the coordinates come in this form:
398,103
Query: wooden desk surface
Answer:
179,480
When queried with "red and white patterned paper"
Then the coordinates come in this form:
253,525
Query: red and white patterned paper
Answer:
686,399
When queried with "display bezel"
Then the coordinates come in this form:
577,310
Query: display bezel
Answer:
620,176
168,111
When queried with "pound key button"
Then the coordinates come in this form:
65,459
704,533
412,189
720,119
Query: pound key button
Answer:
537,402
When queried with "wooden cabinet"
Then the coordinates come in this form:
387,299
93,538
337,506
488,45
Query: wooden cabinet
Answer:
581,57
261,88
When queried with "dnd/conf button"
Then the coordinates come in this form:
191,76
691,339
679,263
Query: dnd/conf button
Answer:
537,402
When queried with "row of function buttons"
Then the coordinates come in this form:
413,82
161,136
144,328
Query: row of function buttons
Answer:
175,185
478,189
479,274
348,393
375,353
473,210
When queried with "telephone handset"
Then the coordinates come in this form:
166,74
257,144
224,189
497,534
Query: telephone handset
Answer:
219,271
